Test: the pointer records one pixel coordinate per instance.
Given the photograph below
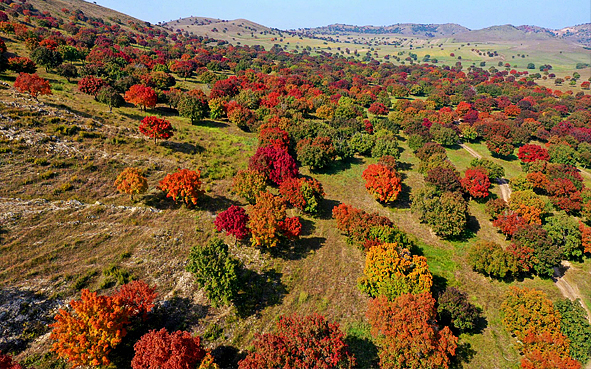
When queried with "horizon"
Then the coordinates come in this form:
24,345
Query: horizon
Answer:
466,13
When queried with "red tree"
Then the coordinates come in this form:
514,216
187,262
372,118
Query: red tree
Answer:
91,85
302,193
565,195
276,164
509,222
274,136
163,350
378,109
141,95
529,153
20,64
184,184
138,297
32,84
382,182
300,342
6,362
407,331
156,128
476,183
234,221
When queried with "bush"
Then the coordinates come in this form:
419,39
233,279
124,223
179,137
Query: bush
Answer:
300,342
163,350
233,220
318,153
453,308
382,182
489,258
216,271
248,184
392,271
302,193
183,185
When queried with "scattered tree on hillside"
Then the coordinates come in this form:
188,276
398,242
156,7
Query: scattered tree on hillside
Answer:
183,184
156,128
300,342
248,184
406,330
132,182
141,95
382,182
233,221
32,84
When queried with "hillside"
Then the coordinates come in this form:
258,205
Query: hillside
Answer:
405,29
286,203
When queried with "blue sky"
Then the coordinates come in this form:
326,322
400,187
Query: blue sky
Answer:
287,14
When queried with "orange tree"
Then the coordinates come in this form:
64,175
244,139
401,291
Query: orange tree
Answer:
32,84
300,342
392,271
86,335
156,128
141,95
382,182
407,332
268,222
528,206
183,184
302,193
131,181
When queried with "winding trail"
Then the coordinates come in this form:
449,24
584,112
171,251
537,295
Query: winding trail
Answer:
503,183
568,290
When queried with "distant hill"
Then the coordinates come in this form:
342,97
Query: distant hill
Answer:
217,28
403,29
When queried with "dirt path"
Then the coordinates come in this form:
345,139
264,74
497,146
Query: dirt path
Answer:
570,291
503,183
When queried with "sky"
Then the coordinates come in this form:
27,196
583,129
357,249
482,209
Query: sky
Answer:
291,14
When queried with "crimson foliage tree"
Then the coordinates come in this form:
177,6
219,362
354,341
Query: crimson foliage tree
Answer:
276,164
163,350
300,342
476,183
156,128
6,362
234,221
530,153
408,334
32,84
91,85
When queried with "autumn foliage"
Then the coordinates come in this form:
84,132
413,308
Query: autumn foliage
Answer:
302,193
163,350
530,153
248,184
6,362
382,182
32,84
407,332
268,221
156,128
275,164
476,183
184,185
308,342
91,85
132,182
141,95
233,221
392,271
96,324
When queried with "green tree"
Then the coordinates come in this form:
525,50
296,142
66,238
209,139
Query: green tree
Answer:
216,271
46,57
575,326
565,235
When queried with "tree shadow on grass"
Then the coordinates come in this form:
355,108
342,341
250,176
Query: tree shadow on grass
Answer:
299,249
215,204
364,350
326,206
258,291
158,200
403,166
227,356
340,166
183,147
464,354
174,314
